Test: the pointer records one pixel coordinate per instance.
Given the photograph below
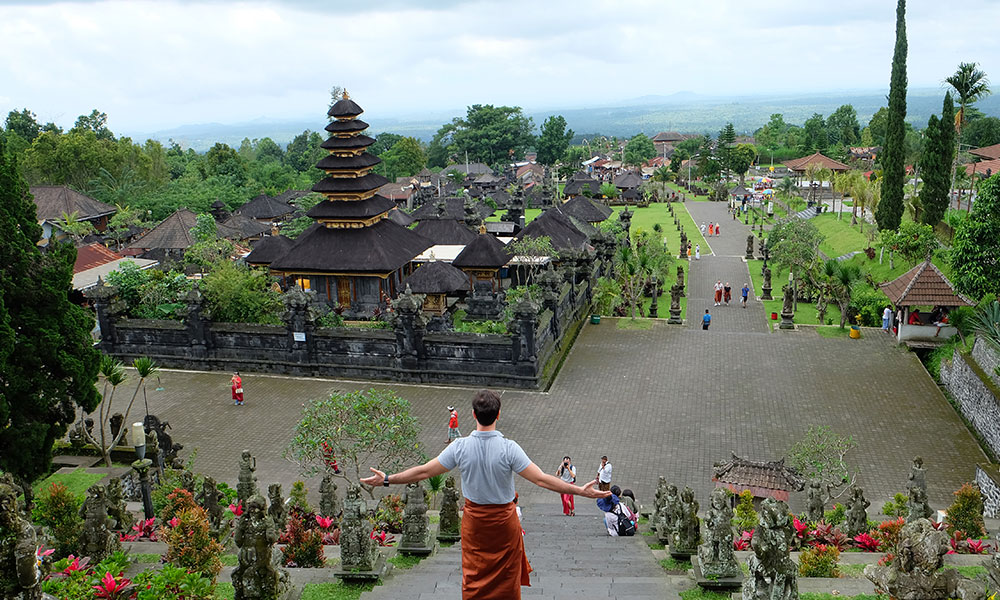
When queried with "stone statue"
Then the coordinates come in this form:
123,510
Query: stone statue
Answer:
817,500
773,574
97,540
660,495
187,481
916,504
329,504
687,532
669,516
857,512
766,287
787,312
117,509
749,254
684,245
416,538
78,433
675,305
210,499
715,556
115,422
358,551
918,475
916,574
680,278
276,506
247,484
20,569
450,526
257,575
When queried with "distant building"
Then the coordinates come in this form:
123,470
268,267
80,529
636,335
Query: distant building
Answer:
52,202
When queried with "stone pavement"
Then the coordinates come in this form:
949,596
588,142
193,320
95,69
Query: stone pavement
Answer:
571,557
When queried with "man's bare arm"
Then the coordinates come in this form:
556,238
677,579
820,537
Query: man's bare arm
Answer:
535,475
411,475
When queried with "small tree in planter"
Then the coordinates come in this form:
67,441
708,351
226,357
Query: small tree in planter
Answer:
114,375
190,544
966,513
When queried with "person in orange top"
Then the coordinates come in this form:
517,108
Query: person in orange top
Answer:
236,384
453,432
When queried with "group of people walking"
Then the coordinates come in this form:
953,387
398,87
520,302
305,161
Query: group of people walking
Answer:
713,229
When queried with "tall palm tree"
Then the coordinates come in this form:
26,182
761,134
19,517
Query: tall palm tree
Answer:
842,185
971,85
866,194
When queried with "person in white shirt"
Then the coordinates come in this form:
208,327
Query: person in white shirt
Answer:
604,475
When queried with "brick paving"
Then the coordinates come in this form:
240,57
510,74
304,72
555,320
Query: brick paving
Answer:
671,401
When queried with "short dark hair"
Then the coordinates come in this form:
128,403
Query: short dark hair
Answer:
604,458
628,493
486,407
617,491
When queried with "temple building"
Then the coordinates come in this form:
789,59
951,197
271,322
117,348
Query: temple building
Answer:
354,255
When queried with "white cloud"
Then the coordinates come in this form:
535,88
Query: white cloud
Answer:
152,65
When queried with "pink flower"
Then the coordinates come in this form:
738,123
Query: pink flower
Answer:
236,509
173,522
866,542
324,522
112,588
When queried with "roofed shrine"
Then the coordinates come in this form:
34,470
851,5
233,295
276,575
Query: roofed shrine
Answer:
354,255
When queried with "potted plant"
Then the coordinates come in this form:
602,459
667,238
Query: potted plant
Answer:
856,327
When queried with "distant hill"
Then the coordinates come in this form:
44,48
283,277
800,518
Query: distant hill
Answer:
684,111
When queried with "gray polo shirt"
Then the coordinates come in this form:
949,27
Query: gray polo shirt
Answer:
488,462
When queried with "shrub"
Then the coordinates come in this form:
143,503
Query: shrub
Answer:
836,515
178,501
190,544
888,534
297,497
72,578
895,507
58,509
169,481
819,561
866,543
745,517
389,513
868,303
172,582
304,547
966,512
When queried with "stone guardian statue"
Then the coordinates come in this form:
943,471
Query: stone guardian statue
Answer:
716,559
258,575
450,526
773,574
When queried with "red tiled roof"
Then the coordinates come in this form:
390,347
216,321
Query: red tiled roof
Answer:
990,152
765,478
923,285
800,164
981,167
93,255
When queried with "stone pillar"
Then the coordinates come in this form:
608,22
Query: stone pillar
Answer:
749,254
410,325
102,295
675,305
652,305
787,312
684,244
550,282
196,320
525,352
299,320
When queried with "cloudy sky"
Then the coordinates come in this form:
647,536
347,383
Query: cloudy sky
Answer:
154,65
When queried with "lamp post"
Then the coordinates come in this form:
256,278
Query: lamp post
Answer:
141,466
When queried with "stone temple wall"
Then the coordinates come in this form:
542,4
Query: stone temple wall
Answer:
975,392
988,358
988,480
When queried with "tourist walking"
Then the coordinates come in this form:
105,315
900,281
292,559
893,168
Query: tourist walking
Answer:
710,226
716,230
697,251
453,432
689,251
567,472
236,385
703,228
745,292
886,319
706,320
718,292
727,293
604,474
493,561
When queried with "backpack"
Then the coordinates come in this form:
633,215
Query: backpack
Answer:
626,527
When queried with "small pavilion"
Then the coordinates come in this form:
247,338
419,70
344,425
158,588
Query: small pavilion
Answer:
923,286
764,479
482,260
437,280
799,165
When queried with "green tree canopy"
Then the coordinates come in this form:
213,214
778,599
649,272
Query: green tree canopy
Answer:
794,244
48,365
404,159
975,254
842,126
935,163
554,140
816,138
638,150
96,122
490,134
890,208
984,131
23,123
877,126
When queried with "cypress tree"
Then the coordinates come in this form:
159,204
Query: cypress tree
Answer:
48,365
890,208
935,163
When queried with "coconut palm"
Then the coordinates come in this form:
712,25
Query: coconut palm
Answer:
866,194
842,185
971,85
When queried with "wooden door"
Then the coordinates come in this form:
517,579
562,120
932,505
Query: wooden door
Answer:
343,291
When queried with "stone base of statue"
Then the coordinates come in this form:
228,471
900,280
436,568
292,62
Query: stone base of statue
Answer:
355,576
786,321
678,552
675,317
717,582
426,548
449,538
766,295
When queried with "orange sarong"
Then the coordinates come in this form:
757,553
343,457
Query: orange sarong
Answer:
494,566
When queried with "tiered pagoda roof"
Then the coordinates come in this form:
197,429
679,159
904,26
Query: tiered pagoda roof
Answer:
586,209
353,233
484,252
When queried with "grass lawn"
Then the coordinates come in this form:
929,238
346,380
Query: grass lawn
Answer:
673,186
334,591
833,331
839,236
806,313
224,591
405,562
882,272
77,482
634,324
672,564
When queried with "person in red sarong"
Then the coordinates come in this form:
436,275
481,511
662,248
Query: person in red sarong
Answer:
494,565
236,384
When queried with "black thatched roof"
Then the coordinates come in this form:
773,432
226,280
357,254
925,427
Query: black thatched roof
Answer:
586,209
576,185
361,161
173,233
345,108
351,209
350,126
265,207
445,231
52,201
558,228
437,277
470,169
269,248
350,185
484,252
454,209
400,217
628,180
350,143
290,196
244,226
381,248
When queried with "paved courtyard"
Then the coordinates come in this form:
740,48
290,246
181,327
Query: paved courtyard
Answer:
671,400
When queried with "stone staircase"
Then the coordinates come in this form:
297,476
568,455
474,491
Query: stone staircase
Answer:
572,558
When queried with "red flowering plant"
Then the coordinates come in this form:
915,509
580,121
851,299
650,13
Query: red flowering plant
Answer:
236,509
73,565
143,529
966,545
828,535
329,531
743,542
866,543
113,588
303,547
384,538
